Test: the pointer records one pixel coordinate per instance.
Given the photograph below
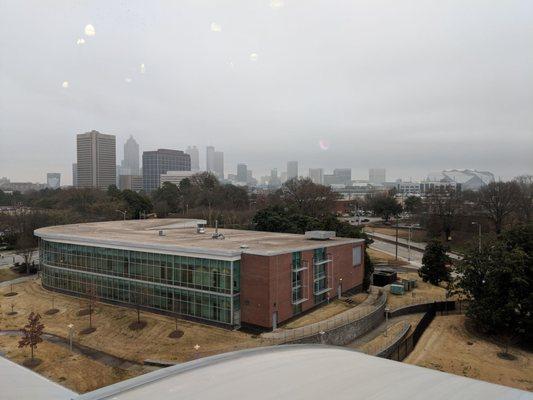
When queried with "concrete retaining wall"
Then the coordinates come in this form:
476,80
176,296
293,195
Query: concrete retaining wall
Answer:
387,351
345,334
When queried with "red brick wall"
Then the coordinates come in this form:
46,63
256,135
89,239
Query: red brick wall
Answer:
266,283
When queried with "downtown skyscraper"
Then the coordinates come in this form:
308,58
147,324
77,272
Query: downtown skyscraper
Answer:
131,157
96,160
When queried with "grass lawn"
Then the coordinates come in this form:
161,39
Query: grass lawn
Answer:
7,274
447,345
113,334
424,292
73,371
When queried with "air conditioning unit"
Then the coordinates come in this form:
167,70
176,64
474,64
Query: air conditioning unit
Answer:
320,235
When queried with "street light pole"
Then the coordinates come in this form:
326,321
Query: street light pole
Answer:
409,245
123,213
70,326
396,257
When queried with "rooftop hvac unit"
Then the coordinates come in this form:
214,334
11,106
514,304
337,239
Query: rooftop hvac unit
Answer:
320,235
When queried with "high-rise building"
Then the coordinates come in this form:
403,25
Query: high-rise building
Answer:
131,157
316,175
377,175
242,173
343,176
53,180
74,174
292,170
175,177
130,182
195,158
219,165
161,161
97,166
210,159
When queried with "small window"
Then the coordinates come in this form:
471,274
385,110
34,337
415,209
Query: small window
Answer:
357,255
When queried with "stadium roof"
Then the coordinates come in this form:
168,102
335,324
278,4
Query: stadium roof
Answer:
301,372
23,384
180,236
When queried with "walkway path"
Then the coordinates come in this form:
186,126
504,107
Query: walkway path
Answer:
19,280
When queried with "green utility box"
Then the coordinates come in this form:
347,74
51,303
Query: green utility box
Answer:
396,288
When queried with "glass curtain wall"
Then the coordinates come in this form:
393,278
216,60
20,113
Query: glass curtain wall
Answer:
198,287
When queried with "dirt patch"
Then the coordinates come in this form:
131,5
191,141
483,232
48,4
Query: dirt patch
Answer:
137,325
175,334
83,312
447,345
10,294
328,310
29,363
88,331
52,311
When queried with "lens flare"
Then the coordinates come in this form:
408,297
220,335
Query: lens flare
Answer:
80,41
254,57
89,30
324,144
276,4
215,27
64,85
143,69
127,80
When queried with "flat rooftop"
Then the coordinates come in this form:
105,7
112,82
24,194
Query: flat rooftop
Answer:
302,372
180,236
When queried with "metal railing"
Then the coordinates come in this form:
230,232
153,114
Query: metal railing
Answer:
374,304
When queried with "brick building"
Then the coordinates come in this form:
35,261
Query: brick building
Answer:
229,277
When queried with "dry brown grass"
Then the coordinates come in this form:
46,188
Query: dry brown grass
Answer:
424,292
71,370
417,235
379,257
445,347
6,274
113,335
325,311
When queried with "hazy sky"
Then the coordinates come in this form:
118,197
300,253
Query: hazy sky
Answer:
412,86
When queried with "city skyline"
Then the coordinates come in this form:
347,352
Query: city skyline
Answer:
253,94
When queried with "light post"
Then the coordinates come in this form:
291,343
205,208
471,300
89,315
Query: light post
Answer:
70,328
123,213
409,245
479,234
196,348
396,255
322,333
386,320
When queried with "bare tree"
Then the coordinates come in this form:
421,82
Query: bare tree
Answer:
92,298
525,197
444,207
32,333
25,247
499,200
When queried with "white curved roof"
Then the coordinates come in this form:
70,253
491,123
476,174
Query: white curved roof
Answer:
301,372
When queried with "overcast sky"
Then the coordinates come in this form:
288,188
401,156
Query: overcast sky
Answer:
412,86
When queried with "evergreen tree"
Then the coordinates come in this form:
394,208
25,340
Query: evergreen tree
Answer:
435,263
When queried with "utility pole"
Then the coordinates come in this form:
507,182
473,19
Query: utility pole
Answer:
479,234
409,245
396,239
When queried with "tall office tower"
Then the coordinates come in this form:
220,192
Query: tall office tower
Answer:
377,175
75,175
195,157
161,161
274,173
292,170
242,173
210,159
97,166
316,175
131,157
53,180
219,165
343,176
